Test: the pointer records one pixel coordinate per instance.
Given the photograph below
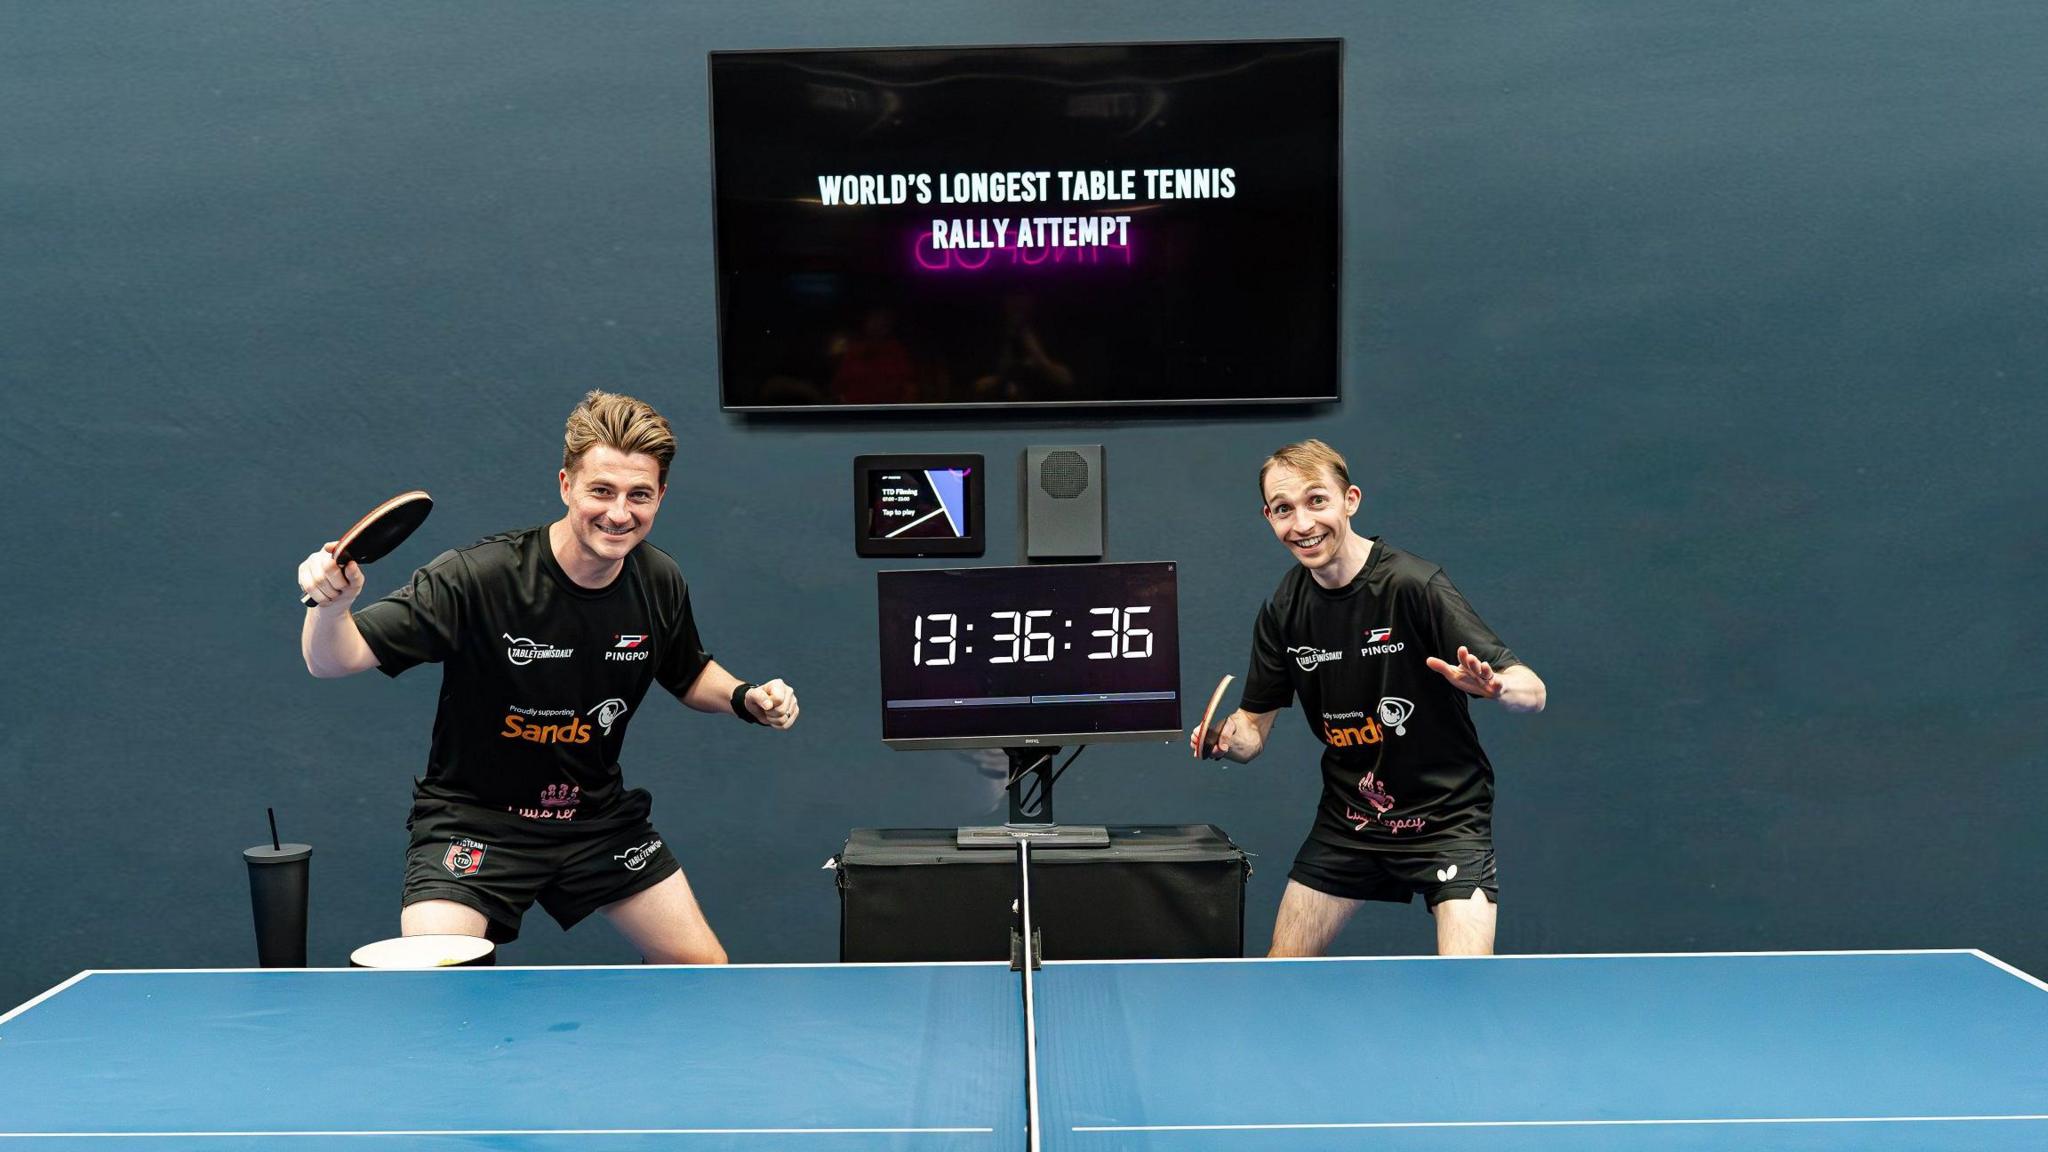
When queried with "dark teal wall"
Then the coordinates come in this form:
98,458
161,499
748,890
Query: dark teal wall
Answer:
1703,345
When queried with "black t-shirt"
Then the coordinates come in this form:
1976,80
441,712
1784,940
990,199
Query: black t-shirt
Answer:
539,677
1402,765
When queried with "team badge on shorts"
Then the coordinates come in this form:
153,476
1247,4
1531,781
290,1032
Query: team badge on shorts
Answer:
464,856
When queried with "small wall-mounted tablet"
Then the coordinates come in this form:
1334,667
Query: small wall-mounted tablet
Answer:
925,504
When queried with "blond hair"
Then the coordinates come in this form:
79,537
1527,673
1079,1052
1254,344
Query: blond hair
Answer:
621,423
1310,458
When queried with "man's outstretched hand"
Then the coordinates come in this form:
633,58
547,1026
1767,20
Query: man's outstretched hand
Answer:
1470,675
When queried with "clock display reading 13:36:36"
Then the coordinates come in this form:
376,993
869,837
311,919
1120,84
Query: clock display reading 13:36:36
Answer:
1074,649
1031,635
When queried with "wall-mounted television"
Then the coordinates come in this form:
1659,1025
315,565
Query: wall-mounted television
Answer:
1058,226
1036,656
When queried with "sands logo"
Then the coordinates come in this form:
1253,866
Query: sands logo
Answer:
464,856
1381,642
628,648
574,732
1352,736
1308,656
522,651
608,713
636,857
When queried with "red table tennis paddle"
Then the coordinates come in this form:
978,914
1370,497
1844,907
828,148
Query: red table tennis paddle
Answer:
385,528
1208,737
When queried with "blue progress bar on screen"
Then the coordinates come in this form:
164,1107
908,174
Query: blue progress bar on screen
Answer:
1064,698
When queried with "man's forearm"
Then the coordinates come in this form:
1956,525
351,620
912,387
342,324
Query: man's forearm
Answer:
712,690
332,645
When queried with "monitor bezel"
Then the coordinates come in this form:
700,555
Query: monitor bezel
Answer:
1047,740
1054,740
1343,342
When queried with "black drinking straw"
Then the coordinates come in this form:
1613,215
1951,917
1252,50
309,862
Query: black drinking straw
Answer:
272,813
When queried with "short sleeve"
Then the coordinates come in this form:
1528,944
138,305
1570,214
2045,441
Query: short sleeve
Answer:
682,653
1457,624
1266,686
420,622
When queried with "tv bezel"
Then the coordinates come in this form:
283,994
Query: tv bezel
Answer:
1336,393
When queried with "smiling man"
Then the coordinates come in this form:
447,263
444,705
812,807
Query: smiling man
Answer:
1384,654
549,638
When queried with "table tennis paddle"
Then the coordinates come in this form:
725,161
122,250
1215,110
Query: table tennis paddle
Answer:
384,528
1208,738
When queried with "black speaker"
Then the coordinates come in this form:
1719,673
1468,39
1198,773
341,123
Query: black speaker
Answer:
1157,892
1063,503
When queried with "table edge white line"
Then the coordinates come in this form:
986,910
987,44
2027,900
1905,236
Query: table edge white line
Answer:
328,1134
1524,956
28,1004
1554,1123
1988,958
557,968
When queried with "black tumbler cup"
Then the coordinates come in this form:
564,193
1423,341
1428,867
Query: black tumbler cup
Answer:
277,889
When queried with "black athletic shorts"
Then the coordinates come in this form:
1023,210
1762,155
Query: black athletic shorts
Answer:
499,864
1449,873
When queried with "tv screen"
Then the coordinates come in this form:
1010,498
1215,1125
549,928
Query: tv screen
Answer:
1069,225
1033,656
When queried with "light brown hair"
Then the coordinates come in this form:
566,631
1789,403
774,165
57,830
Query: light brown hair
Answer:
620,423
1308,457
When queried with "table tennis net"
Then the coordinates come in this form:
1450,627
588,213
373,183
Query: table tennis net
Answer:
1024,954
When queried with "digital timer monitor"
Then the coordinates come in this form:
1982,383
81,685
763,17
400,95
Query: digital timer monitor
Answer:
917,505
1043,655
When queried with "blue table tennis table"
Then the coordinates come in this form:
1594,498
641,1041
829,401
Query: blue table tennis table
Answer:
1870,1050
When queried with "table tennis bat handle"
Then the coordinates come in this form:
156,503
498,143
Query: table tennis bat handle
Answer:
341,562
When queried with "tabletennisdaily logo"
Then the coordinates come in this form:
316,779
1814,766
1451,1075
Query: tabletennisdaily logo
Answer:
1381,642
628,648
523,651
464,856
636,857
1308,656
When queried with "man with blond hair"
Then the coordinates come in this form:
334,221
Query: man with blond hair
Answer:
548,639
1383,653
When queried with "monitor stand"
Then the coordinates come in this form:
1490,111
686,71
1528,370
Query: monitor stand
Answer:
1032,821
